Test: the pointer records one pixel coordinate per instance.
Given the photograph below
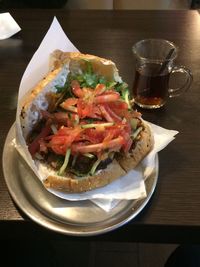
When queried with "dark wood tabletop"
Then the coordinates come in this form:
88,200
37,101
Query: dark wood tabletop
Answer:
173,214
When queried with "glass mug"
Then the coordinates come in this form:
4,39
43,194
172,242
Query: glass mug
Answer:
154,66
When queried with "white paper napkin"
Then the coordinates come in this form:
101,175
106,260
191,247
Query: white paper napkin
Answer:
8,26
162,137
132,185
38,66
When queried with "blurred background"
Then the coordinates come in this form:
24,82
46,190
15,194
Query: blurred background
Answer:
102,4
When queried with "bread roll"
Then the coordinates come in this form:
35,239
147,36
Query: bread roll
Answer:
37,100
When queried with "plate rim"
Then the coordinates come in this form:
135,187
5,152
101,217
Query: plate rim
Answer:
57,226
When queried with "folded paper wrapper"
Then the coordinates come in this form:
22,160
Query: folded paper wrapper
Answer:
131,186
8,26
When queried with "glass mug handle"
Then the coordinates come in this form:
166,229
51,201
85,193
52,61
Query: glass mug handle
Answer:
189,78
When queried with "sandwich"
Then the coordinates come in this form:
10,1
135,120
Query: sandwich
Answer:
79,125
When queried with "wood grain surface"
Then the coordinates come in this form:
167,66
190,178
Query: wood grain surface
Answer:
175,205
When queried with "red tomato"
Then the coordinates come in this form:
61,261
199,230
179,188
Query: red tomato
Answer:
123,113
94,136
69,131
109,136
59,149
118,105
117,142
100,88
104,98
105,113
84,109
120,108
96,112
76,89
69,102
59,144
64,139
112,114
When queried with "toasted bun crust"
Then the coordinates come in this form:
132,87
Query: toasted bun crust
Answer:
142,148
76,185
37,99
76,62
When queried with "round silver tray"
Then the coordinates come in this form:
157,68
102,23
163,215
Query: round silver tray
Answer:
78,218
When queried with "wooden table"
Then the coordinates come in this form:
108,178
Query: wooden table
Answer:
173,214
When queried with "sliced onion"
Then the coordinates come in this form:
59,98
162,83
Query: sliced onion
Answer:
94,167
54,129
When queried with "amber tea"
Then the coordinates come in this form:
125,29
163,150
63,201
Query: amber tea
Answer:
154,63
151,87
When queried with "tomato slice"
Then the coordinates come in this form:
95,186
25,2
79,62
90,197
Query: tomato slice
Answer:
104,98
96,113
89,110
117,142
76,89
105,113
69,131
118,105
109,136
63,139
84,109
59,149
112,114
94,136
69,102
99,103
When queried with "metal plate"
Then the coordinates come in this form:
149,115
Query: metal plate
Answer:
78,218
